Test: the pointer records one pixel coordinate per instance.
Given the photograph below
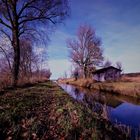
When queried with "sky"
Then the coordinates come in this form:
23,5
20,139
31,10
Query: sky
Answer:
116,22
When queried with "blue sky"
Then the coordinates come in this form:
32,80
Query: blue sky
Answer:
117,23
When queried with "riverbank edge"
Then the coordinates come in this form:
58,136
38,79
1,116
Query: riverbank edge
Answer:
131,89
45,111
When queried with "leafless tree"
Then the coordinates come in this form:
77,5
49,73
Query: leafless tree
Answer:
90,70
107,64
75,73
119,65
48,73
42,74
6,52
20,17
5,62
85,51
27,58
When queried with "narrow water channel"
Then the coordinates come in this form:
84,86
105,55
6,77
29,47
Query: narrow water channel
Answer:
120,110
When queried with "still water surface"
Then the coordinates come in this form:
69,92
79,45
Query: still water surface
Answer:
118,109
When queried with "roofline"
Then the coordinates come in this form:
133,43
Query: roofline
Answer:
103,69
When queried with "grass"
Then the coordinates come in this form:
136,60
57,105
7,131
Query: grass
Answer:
45,111
124,86
79,82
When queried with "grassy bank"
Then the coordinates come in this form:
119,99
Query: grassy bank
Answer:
79,82
123,88
45,111
131,88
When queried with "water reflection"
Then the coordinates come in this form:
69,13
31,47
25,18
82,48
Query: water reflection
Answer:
93,99
118,109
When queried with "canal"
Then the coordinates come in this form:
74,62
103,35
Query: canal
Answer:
120,110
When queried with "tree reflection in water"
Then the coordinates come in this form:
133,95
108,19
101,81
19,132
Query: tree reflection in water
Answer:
89,100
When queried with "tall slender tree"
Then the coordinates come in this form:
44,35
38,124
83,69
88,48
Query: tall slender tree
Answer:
19,17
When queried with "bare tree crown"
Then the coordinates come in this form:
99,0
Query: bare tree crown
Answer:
85,51
25,13
19,18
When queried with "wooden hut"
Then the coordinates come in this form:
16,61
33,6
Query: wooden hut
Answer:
107,74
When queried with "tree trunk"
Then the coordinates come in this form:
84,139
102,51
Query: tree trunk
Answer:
16,62
85,72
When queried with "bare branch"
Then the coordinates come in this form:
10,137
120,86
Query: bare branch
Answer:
24,7
8,36
6,25
9,14
21,16
85,52
7,58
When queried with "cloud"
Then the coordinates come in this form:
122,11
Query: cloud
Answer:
59,67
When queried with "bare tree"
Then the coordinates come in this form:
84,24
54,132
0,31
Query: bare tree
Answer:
5,62
30,70
48,73
107,64
75,73
119,65
90,70
85,51
6,52
27,58
44,74
19,17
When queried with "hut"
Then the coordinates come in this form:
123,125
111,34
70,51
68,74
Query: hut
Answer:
107,74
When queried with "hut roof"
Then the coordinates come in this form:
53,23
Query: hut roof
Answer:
105,69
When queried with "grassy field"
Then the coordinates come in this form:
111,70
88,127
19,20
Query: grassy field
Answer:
44,111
